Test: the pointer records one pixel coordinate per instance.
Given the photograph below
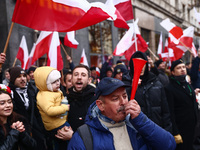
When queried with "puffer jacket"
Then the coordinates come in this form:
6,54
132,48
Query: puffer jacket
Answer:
49,103
152,99
144,134
150,95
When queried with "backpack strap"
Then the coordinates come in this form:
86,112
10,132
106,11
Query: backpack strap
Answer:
86,136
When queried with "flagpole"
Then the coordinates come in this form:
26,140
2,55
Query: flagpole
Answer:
136,48
64,49
8,39
186,47
45,60
152,53
14,61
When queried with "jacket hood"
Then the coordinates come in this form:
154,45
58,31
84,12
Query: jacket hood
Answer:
142,55
40,76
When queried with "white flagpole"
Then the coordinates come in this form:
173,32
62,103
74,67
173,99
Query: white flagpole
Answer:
134,34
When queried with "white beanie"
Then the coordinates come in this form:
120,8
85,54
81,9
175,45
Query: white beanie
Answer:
53,76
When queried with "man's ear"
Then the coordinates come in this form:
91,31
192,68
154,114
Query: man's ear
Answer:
100,105
172,72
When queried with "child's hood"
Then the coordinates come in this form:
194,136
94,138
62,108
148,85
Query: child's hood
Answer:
40,76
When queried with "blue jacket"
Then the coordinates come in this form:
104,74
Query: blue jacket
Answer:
145,135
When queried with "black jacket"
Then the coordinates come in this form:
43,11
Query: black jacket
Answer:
152,100
32,114
16,140
183,108
79,104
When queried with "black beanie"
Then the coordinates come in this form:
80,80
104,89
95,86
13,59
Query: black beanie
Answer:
32,68
120,68
175,63
15,72
141,55
157,63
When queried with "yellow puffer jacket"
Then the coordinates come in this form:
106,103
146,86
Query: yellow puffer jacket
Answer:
49,103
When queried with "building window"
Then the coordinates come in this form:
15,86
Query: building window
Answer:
157,40
188,13
183,7
100,40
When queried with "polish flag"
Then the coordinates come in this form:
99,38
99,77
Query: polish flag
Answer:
54,54
28,63
42,45
197,15
126,45
116,16
98,71
184,43
175,31
168,53
22,54
160,45
59,15
83,59
179,51
70,40
125,8
187,38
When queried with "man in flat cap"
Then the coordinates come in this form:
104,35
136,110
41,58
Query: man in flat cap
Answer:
116,123
183,106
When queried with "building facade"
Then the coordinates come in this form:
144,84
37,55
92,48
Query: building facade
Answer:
100,40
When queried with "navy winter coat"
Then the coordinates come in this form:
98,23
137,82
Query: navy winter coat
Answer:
145,135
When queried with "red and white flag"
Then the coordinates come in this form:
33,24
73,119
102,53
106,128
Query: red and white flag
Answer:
197,15
98,71
174,30
184,43
42,45
83,59
125,8
70,40
48,43
126,45
22,54
59,15
54,54
160,45
168,53
187,38
116,16
30,57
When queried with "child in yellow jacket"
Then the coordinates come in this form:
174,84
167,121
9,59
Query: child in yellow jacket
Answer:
49,102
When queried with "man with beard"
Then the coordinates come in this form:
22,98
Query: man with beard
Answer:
183,106
25,105
80,96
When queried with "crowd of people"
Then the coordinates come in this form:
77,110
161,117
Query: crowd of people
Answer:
79,108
